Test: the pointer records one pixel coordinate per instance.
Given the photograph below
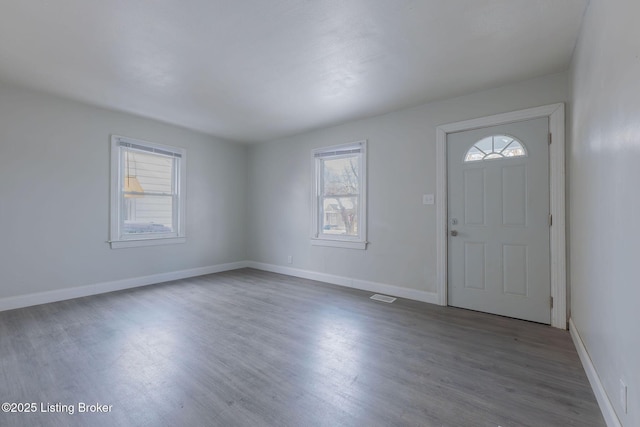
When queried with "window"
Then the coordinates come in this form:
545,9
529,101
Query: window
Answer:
147,193
495,147
339,206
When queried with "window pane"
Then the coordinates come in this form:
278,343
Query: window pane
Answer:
495,147
148,214
514,150
340,216
473,155
148,193
149,173
340,176
500,142
485,144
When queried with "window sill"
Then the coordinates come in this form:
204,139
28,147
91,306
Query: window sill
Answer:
339,243
120,244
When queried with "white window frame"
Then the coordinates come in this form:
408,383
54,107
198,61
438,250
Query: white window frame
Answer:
334,152
502,157
117,238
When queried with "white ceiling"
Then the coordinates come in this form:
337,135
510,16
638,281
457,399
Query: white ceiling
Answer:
256,70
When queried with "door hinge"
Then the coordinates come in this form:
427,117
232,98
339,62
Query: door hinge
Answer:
551,302
550,220
550,138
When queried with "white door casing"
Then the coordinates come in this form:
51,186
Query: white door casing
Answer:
498,212
555,114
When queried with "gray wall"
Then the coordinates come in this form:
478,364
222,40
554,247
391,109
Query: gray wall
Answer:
604,160
54,196
401,162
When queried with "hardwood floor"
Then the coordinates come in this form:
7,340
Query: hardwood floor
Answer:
250,348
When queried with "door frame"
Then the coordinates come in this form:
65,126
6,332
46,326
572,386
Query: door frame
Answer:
557,240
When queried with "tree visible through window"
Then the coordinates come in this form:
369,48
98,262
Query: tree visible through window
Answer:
339,209
340,196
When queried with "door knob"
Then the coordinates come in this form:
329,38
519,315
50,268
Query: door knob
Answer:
454,233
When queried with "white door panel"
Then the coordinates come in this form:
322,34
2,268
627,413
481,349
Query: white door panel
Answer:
499,207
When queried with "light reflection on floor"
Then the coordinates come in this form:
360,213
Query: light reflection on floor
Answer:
337,360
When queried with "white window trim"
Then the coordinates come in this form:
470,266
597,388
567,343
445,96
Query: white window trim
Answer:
116,241
349,242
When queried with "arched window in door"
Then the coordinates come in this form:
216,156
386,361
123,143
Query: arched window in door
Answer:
495,147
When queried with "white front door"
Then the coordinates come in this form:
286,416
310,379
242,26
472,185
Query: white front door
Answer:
498,213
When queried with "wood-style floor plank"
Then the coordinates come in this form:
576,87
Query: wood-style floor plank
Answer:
251,348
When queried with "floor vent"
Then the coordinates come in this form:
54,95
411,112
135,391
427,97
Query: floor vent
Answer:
383,298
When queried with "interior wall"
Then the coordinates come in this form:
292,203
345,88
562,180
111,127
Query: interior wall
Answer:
605,198
54,196
401,168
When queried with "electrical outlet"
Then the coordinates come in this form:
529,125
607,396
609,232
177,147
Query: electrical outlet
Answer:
623,396
290,259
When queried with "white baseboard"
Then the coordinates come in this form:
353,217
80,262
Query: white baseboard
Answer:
20,301
365,285
606,407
